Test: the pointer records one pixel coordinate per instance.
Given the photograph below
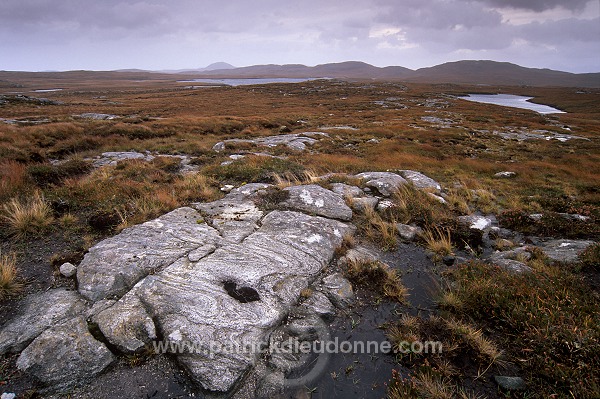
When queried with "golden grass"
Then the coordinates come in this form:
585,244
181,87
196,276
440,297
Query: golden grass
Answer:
482,345
9,283
378,276
32,216
377,230
438,241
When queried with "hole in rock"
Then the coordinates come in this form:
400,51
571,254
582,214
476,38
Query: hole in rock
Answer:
242,294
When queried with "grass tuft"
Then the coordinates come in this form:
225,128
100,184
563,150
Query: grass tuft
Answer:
29,217
9,284
438,241
378,276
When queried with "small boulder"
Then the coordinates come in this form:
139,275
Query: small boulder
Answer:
513,266
364,204
81,356
476,222
384,182
505,175
566,251
317,200
220,146
419,180
407,232
68,269
510,383
338,289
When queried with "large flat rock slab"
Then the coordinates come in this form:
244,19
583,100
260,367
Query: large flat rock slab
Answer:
208,311
116,264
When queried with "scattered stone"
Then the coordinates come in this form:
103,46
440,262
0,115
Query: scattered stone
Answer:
8,395
39,312
438,198
113,158
419,180
510,383
339,290
407,232
68,269
319,303
513,266
385,183
476,222
96,116
373,141
227,188
220,146
385,204
505,174
566,251
516,253
347,190
365,203
315,199
360,254
295,141
65,356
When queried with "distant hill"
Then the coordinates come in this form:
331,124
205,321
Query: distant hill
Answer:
461,72
501,73
466,72
341,70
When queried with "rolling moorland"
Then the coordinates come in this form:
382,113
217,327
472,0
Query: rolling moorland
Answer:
491,248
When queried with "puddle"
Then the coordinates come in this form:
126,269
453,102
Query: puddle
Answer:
364,375
510,100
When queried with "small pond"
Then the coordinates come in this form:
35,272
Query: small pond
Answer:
510,100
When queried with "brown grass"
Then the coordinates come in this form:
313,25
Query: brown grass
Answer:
26,217
378,276
9,283
438,241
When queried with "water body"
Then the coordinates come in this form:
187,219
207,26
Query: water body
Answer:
247,81
510,100
46,90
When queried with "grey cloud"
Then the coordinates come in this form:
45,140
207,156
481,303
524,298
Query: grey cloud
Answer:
438,14
539,5
562,31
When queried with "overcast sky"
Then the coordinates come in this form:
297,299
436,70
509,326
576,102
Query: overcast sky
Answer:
175,34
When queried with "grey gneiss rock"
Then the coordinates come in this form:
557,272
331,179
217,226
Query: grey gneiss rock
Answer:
384,182
476,222
68,269
362,204
419,180
40,311
296,141
127,325
318,200
565,250
65,355
116,264
189,301
510,383
408,232
339,290
347,190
